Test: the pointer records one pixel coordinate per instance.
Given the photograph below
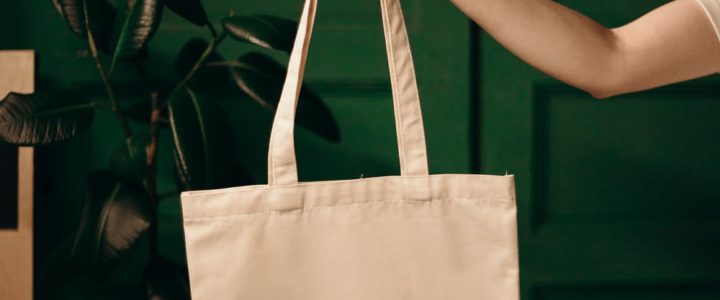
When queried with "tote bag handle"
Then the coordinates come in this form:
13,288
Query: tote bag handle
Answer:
282,165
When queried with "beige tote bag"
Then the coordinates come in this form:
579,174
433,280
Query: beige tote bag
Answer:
414,236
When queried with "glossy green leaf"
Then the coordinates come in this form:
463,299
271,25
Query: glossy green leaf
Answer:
204,146
136,23
116,214
166,280
265,31
129,160
43,118
262,78
72,12
204,78
100,17
191,10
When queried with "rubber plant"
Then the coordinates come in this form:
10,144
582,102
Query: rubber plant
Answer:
122,202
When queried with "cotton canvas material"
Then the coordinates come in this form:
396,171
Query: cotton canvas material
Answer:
413,236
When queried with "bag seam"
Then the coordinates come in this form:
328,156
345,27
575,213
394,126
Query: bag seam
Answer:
313,210
197,194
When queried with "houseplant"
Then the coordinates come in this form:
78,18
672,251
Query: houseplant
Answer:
122,201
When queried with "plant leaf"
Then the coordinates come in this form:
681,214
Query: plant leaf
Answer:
203,145
115,215
137,21
166,280
262,78
265,31
38,119
72,12
100,17
191,10
129,160
204,78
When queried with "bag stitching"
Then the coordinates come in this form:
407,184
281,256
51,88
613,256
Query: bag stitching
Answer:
311,210
199,194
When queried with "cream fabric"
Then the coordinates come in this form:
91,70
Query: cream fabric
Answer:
414,236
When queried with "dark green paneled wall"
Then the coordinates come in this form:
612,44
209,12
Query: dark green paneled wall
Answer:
617,198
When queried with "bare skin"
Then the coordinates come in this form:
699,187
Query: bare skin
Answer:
675,42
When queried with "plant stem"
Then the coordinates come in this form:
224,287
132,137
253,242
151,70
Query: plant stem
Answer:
104,78
212,29
198,64
151,155
151,152
214,43
151,149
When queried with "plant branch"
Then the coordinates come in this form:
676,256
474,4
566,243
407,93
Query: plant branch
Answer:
210,48
151,156
152,147
151,152
103,76
212,29
214,43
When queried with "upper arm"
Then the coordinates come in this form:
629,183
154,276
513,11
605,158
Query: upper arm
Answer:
712,11
673,43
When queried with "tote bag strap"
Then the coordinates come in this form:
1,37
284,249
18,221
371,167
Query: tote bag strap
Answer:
282,165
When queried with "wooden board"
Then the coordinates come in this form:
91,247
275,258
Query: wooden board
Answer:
17,70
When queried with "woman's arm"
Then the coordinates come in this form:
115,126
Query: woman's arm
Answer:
673,43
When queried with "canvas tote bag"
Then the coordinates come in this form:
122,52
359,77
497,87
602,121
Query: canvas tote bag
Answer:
414,236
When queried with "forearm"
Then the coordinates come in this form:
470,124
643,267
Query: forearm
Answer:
577,50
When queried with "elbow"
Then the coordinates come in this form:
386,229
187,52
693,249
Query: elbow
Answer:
604,84
600,96
601,93
611,84
607,75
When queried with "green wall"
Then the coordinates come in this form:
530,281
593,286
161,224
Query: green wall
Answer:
617,198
